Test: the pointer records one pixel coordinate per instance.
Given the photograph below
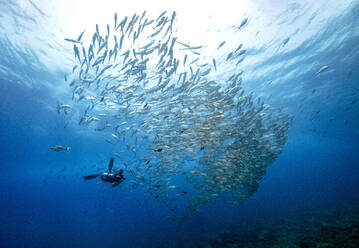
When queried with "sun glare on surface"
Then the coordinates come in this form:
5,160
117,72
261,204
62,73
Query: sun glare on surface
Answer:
194,17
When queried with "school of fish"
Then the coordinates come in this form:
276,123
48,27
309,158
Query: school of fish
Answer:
182,134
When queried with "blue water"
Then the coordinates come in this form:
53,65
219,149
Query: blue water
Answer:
44,202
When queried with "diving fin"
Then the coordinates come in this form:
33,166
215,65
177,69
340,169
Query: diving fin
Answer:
91,176
110,165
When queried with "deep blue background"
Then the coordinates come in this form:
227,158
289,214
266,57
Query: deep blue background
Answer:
45,203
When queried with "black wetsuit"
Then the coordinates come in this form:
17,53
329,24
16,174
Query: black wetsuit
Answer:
115,179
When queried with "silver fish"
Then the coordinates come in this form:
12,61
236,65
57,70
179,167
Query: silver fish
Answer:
59,148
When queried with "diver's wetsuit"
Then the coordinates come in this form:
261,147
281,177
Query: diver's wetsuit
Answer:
115,179
109,177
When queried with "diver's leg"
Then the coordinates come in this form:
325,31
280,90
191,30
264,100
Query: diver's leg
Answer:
91,176
110,165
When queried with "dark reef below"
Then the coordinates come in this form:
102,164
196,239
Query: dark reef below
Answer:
321,228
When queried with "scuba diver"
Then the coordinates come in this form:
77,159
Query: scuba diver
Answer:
114,178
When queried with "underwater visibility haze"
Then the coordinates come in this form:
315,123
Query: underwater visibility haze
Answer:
179,124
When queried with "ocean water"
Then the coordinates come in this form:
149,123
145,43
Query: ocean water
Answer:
309,195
